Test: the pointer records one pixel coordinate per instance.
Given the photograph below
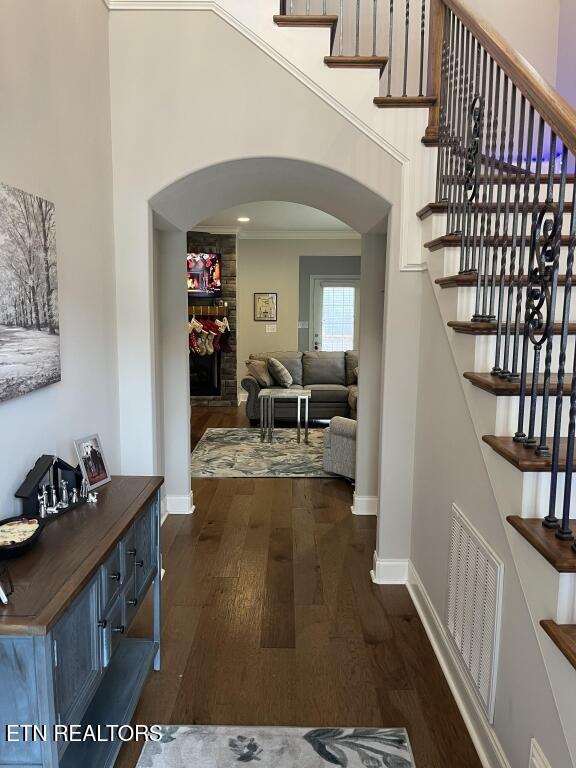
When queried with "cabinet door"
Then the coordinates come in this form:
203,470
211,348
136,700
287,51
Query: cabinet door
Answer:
77,664
144,544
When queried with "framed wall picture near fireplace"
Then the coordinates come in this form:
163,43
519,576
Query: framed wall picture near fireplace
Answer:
266,307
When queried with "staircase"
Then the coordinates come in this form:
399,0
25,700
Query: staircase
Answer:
499,238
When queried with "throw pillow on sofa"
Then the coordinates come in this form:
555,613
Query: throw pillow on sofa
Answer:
279,372
259,370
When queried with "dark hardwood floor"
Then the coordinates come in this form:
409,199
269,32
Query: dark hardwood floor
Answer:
270,618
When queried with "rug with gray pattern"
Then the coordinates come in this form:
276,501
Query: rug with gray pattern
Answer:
273,747
238,452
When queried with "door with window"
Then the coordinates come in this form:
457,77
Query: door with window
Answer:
335,313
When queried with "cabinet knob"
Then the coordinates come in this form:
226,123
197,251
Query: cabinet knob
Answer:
134,601
102,624
119,630
132,552
140,563
114,576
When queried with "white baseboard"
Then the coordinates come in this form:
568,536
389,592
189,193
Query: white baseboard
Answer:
242,397
364,505
180,505
163,510
481,732
389,571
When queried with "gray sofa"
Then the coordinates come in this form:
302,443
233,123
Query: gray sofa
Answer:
328,375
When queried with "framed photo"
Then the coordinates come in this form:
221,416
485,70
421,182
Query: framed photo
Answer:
266,307
92,462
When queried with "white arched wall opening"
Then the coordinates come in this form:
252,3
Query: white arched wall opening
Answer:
201,194
169,121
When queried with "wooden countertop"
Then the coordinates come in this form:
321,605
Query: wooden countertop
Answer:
68,553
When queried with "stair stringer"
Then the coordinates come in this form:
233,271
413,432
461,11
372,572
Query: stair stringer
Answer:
546,592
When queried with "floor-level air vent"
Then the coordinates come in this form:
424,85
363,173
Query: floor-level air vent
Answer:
474,606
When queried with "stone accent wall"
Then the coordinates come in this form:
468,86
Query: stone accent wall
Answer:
204,242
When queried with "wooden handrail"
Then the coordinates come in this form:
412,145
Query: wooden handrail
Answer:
556,111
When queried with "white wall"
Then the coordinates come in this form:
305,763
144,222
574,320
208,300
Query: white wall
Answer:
274,266
55,141
449,468
565,73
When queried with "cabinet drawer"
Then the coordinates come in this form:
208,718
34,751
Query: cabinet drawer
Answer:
144,544
112,576
113,629
77,663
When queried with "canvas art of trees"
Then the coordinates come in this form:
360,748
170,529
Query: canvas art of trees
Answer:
29,319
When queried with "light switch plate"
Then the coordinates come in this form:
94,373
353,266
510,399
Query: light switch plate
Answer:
302,324
270,327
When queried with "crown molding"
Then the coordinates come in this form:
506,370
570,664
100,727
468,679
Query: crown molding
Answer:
279,234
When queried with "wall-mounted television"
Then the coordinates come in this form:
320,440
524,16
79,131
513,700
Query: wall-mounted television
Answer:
204,275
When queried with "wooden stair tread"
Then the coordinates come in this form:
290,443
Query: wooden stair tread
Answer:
469,280
504,388
489,328
563,636
558,553
526,459
361,62
327,20
442,208
405,101
455,241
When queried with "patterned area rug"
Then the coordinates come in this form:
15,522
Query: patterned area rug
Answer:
225,747
239,453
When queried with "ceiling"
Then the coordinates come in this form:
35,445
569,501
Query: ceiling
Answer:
281,218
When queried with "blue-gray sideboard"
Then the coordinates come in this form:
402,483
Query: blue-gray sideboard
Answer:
65,655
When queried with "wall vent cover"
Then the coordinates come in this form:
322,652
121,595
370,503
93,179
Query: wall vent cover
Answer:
475,579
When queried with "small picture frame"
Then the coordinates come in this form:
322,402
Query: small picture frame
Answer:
266,307
92,461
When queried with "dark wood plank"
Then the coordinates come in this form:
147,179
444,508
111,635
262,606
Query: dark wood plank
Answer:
504,388
356,62
526,459
441,207
68,554
278,614
564,636
310,20
356,653
559,553
484,328
455,241
409,102
470,280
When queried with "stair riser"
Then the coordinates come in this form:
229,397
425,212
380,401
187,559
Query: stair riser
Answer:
467,302
436,225
499,415
452,259
477,353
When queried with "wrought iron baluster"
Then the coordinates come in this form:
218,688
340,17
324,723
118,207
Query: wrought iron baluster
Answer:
341,29
324,8
374,26
462,131
532,308
390,47
406,47
440,166
504,373
357,28
422,43
307,7
455,127
449,116
474,110
480,315
507,132
474,236
551,521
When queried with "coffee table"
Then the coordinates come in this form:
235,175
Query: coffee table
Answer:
267,398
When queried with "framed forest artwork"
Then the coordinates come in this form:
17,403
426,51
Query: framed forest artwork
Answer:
29,320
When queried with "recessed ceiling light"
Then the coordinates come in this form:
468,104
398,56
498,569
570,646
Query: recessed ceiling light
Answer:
243,219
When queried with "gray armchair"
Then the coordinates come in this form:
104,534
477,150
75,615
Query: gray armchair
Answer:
340,447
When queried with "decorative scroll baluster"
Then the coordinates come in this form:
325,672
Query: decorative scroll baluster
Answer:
422,44
461,130
531,307
406,47
441,165
455,125
472,166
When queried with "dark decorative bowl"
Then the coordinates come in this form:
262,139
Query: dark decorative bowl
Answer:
8,551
